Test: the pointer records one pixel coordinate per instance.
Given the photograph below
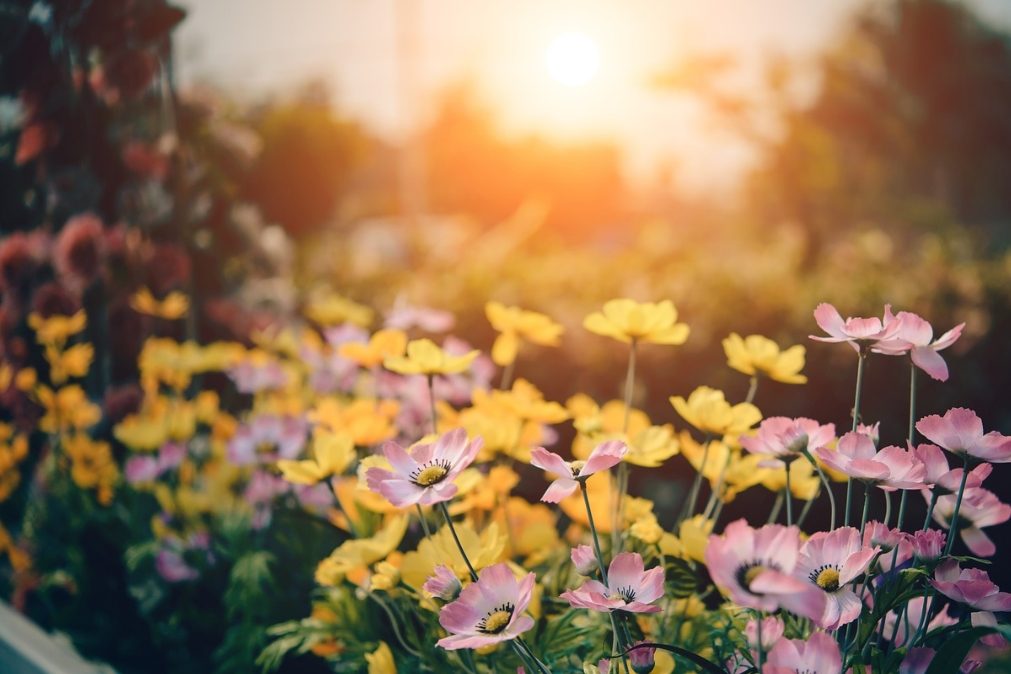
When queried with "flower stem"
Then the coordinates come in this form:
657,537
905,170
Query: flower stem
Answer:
593,532
752,389
623,469
930,509
861,357
431,403
776,507
789,498
867,506
760,647
888,508
459,545
689,507
828,489
507,375
424,522
953,527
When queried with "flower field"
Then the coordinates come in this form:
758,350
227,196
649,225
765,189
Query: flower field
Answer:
250,422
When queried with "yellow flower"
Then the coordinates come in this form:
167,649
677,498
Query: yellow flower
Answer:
439,548
25,379
92,465
173,306
652,446
707,410
332,309
694,537
74,362
367,422
803,479
56,329
647,529
425,357
359,553
66,408
515,325
380,661
142,432
756,354
627,320
382,345
532,528
333,453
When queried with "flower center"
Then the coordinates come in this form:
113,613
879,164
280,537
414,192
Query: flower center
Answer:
265,447
827,578
747,574
497,619
626,594
798,445
576,466
429,475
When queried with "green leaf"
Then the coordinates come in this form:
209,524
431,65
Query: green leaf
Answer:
950,656
681,579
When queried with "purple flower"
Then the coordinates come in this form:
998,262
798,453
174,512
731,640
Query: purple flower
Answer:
489,611
629,588
424,473
971,587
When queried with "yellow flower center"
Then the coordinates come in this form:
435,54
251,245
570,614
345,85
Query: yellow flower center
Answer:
828,579
265,447
430,475
576,466
497,621
751,574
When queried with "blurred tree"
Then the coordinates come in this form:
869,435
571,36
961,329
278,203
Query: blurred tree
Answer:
911,129
307,157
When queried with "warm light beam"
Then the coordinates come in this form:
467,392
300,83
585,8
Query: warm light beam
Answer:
572,59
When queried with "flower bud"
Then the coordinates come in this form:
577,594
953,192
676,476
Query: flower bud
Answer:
584,560
642,659
928,545
443,584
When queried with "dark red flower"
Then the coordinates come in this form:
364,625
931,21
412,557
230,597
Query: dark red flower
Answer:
52,299
79,249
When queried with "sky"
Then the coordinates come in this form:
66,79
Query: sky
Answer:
386,61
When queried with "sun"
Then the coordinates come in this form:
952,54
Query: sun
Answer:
572,59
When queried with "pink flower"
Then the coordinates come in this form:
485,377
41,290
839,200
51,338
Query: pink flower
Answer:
488,611
928,545
939,473
629,587
910,618
772,631
786,438
831,561
404,316
584,560
443,583
878,535
173,568
424,473
980,508
141,469
916,336
250,376
987,619
818,654
755,568
960,431
905,470
267,438
891,468
971,587
856,331
604,456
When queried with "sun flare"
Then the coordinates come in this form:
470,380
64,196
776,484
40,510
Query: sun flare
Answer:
573,59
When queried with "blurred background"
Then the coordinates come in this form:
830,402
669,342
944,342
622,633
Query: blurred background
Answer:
746,160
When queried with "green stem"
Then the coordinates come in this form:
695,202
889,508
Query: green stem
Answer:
431,403
593,532
828,488
424,522
752,389
623,469
888,507
857,395
789,498
689,507
953,527
930,509
459,545
867,505
776,507
759,646
507,375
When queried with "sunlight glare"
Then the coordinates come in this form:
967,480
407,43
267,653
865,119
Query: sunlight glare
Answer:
573,59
